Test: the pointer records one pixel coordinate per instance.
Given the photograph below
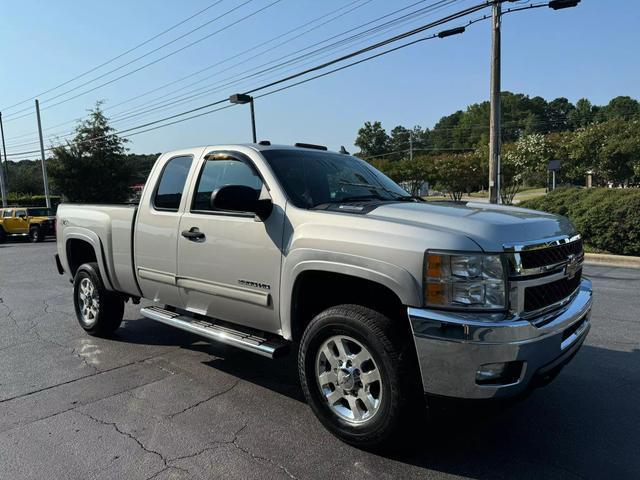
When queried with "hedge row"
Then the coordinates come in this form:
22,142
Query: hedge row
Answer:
608,219
26,200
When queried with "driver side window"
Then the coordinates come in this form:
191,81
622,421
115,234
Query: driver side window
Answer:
219,171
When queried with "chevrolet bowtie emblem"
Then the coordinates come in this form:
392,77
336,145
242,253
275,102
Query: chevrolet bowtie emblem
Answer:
572,266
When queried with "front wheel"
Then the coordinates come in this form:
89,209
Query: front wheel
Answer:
35,234
358,374
98,310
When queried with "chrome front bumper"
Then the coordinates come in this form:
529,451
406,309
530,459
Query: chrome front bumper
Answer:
452,347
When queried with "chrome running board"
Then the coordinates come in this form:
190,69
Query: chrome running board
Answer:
212,329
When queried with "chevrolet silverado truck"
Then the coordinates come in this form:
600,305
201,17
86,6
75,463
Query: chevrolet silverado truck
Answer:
385,296
33,222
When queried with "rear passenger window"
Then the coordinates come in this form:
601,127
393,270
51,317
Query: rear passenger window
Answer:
172,181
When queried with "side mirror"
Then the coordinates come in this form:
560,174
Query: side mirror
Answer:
240,198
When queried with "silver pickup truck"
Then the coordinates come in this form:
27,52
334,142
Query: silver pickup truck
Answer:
383,295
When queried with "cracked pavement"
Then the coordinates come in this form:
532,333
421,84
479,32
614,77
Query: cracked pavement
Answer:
157,403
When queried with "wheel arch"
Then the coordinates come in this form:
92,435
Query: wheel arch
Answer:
313,286
84,247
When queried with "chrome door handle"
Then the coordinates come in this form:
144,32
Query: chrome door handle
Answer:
193,234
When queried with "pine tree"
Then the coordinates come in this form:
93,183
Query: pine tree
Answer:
93,168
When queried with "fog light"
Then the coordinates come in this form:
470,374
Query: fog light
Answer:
499,373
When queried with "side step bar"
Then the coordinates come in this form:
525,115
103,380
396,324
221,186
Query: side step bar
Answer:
244,338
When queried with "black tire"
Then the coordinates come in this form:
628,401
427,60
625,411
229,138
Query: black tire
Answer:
104,314
399,390
35,234
3,236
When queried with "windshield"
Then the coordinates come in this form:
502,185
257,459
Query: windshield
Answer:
38,212
315,178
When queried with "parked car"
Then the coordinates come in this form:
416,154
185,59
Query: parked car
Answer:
36,223
385,296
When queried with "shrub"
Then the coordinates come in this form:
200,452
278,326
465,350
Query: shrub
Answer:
608,219
28,200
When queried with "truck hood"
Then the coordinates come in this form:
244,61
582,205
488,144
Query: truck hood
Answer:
490,226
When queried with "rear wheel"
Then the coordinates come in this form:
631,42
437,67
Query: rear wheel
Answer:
3,236
357,371
98,310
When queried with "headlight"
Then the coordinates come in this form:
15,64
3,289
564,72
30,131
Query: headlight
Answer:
465,281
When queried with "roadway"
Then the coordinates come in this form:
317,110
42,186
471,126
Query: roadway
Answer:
155,402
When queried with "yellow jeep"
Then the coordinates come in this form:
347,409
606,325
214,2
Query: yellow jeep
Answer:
35,222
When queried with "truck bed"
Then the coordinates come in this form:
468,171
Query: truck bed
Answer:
109,228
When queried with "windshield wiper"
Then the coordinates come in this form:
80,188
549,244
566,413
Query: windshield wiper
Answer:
354,198
403,198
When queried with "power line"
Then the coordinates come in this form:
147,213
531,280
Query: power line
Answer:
153,62
393,39
421,12
234,79
113,59
192,74
173,119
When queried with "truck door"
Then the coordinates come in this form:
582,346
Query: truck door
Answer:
18,223
156,229
232,271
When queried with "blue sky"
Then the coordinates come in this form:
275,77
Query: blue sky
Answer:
589,51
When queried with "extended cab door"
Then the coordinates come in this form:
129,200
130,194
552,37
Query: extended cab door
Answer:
231,271
157,224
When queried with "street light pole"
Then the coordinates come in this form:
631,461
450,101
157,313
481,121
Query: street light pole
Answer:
241,99
3,185
45,178
253,122
6,160
494,119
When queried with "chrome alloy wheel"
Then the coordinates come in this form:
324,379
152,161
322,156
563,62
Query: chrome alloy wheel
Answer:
349,379
88,302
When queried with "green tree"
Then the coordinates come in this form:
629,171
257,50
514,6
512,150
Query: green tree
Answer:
412,173
622,107
557,115
610,149
458,174
92,167
372,139
582,115
400,141
530,157
25,177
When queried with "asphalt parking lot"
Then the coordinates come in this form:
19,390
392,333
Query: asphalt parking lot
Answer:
155,402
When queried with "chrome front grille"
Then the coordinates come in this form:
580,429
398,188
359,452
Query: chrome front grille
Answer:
550,256
544,276
541,296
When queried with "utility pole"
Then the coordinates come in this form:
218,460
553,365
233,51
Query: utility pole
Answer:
495,129
6,160
45,179
494,119
411,145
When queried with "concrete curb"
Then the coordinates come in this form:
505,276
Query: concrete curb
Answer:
611,260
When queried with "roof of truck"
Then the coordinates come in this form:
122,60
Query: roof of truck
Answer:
264,146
